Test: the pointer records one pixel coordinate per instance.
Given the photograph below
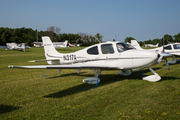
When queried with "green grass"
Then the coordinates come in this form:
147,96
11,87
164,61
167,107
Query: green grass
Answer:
24,94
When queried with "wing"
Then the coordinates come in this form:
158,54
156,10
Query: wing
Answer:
176,54
5,47
65,67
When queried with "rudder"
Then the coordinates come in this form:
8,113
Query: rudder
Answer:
50,51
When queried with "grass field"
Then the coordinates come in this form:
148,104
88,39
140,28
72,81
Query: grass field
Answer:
25,94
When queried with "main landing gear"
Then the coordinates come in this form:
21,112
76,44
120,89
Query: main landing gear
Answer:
93,80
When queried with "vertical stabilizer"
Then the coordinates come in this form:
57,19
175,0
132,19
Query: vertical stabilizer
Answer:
135,44
65,43
23,46
50,51
157,44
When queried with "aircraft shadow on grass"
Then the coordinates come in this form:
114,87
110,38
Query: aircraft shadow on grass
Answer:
105,79
163,78
7,108
64,75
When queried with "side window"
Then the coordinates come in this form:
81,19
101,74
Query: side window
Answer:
93,51
120,48
107,49
168,47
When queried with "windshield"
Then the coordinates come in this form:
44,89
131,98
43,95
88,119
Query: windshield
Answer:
123,47
176,46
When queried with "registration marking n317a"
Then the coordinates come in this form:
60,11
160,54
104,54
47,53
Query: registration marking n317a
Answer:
69,57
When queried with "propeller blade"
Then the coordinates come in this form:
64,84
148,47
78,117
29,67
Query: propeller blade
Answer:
160,59
164,54
165,60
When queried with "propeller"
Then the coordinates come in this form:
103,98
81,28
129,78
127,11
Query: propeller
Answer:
164,55
165,60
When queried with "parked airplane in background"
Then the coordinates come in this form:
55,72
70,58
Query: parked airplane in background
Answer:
172,48
71,45
109,55
15,46
151,45
60,44
56,44
38,44
74,45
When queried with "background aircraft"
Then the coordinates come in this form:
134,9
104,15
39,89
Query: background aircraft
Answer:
74,45
151,45
172,48
60,44
15,46
55,44
38,44
109,55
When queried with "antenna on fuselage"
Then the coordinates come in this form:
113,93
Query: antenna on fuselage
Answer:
97,39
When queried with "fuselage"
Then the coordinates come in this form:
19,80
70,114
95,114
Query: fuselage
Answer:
116,55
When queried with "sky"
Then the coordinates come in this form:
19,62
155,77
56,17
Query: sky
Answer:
114,19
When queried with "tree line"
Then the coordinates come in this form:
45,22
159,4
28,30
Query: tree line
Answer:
167,39
28,36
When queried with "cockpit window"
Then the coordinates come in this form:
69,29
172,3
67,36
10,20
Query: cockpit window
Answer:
107,49
123,47
93,51
168,47
176,46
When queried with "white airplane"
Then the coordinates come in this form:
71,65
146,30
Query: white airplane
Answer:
172,48
55,44
151,45
14,46
74,45
38,44
71,45
60,44
109,55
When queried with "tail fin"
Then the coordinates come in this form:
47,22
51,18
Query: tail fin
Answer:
65,43
135,44
50,51
23,46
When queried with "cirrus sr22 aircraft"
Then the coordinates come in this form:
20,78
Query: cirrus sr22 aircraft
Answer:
109,55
